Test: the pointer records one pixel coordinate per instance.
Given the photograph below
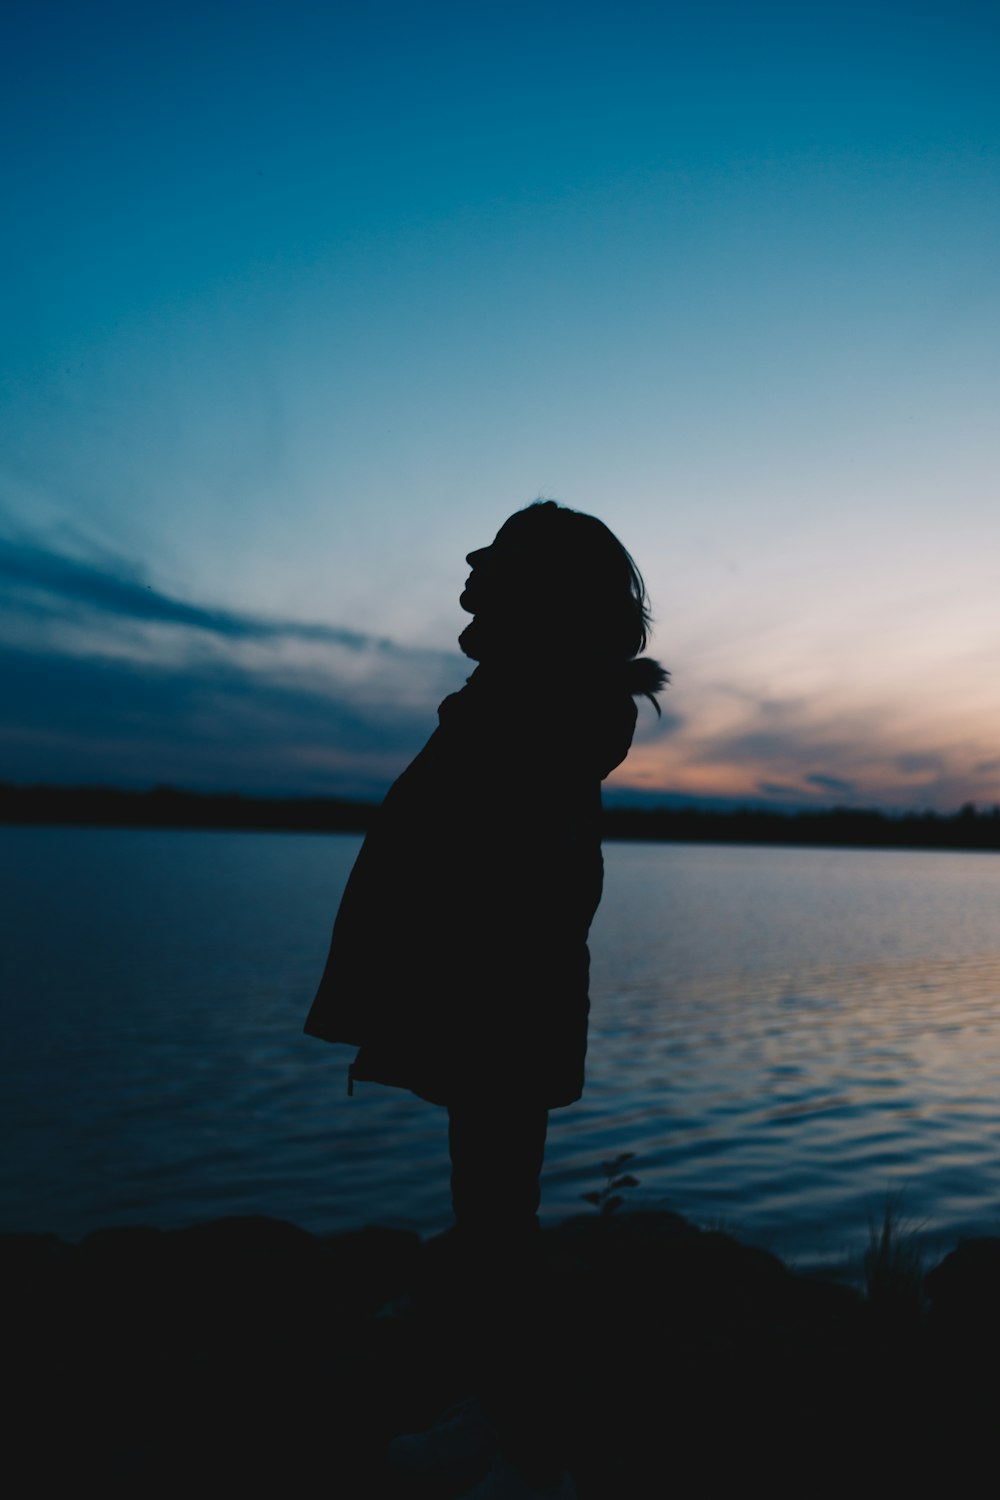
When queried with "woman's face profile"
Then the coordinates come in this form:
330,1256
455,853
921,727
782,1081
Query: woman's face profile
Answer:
486,564
470,598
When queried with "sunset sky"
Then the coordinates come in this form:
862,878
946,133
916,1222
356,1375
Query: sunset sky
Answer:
300,301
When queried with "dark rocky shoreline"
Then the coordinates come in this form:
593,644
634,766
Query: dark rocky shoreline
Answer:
246,1355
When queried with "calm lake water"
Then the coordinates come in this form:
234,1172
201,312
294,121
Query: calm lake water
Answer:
782,1036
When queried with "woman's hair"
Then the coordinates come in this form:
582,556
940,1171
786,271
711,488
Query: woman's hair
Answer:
555,573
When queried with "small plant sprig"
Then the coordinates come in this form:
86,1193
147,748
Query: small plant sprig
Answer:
893,1261
608,1198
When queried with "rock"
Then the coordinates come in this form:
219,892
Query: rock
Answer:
964,1290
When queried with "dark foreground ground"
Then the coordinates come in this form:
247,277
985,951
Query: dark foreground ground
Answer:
246,1356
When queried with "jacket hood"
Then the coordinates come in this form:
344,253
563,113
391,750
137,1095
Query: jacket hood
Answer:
593,703
641,677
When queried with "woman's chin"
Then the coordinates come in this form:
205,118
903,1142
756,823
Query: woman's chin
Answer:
467,642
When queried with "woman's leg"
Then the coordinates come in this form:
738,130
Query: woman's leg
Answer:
497,1148
496,1161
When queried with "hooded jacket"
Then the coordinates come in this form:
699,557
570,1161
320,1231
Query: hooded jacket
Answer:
459,963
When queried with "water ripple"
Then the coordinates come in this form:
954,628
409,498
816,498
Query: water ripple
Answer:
781,1036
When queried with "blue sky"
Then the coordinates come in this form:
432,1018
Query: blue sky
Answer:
301,301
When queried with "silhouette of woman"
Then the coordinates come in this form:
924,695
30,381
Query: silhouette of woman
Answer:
458,963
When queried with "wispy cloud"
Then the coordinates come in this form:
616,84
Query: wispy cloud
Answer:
829,783
207,724
801,751
115,586
83,703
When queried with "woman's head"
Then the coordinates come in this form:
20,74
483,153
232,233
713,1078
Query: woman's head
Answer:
554,575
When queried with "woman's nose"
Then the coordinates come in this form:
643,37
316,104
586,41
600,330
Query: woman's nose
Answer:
474,558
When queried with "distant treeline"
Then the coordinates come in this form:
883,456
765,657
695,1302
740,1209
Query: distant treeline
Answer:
864,827
169,807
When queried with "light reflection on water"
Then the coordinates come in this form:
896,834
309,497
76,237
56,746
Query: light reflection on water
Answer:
781,1035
